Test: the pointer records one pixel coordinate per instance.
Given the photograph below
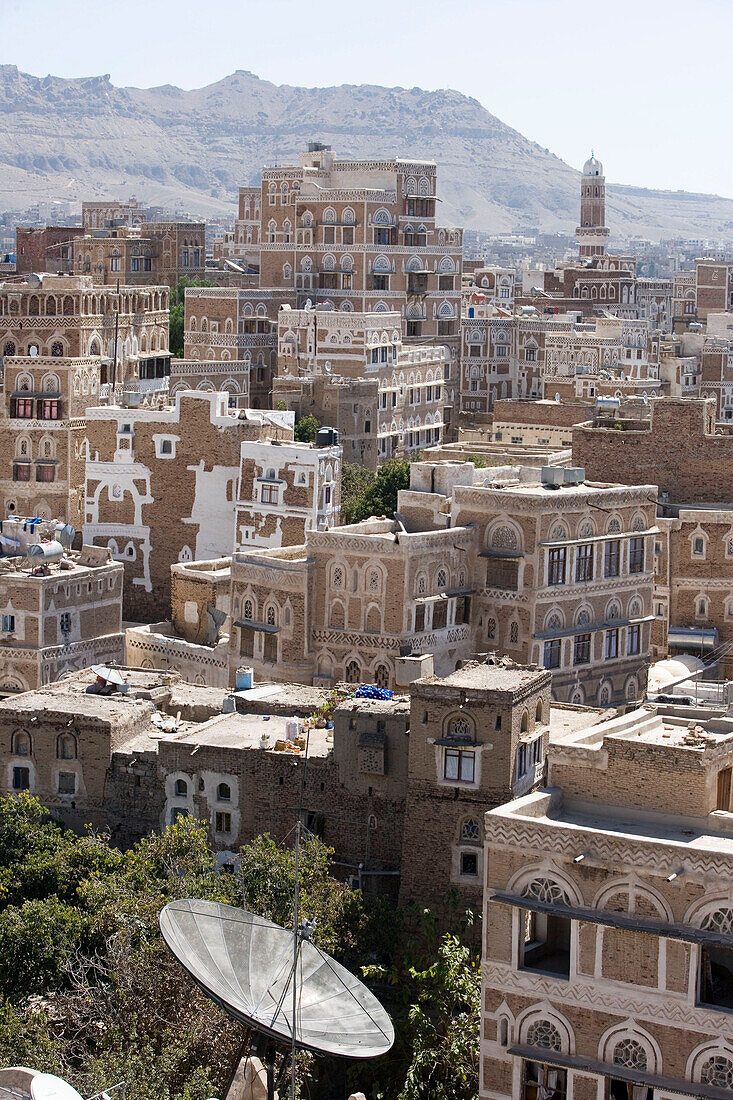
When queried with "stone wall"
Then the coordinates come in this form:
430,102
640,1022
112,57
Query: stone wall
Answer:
680,450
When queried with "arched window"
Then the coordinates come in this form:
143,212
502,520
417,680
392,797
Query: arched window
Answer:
381,676
491,629
514,633
524,725
353,673
9,348
543,1033
181,788
374,580
442,578
545,889
66,746
717,1071
271,616
224,792
57,349
720,920
503,538
248,610
631,1054
21,743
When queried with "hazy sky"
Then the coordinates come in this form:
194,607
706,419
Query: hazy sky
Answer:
647,83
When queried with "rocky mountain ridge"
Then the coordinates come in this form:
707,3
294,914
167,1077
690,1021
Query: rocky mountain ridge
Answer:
86,138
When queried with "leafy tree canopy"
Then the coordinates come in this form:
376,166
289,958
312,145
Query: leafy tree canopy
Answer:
366,493
177,313
89,990
306,428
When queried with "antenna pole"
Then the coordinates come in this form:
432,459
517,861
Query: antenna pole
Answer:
296,913
296,945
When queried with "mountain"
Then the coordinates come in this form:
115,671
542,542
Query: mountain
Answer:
85,138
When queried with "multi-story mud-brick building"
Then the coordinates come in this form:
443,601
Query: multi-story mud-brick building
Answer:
607,966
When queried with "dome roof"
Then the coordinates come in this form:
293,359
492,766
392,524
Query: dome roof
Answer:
592,167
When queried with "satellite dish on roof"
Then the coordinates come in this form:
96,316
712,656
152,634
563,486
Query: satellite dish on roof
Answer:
45,1086
111,675
34,280
309,304
251,968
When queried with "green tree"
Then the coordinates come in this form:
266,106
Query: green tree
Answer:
306,428
436,1010
355,480
176,317
378,497
89,990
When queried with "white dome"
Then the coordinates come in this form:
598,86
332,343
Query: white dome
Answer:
592,167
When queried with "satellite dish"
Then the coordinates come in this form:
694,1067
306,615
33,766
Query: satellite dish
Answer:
309,304
45,1086
33,280
246,964
327,366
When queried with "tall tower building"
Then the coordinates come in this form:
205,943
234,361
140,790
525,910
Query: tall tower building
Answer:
592,233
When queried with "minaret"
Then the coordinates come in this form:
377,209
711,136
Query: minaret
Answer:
592,232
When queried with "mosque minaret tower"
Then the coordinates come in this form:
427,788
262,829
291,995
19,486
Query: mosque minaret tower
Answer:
592,233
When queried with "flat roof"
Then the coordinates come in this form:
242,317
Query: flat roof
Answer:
488,676
566,719
693,729
247,731
689,833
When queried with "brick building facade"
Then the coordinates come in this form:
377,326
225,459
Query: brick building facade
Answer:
326,360
608,961
398,788
477,561
680,449
58,615
163,486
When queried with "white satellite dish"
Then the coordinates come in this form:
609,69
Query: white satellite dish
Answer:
34,280
251,968
45,1086
327,366
309,304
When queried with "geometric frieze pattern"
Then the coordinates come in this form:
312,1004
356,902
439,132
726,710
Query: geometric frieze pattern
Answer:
585,992
657,860
355,640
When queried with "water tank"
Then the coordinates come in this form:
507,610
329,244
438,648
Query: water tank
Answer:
243,679
292,728
327,437
553,476
65,534
574,475
45,552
